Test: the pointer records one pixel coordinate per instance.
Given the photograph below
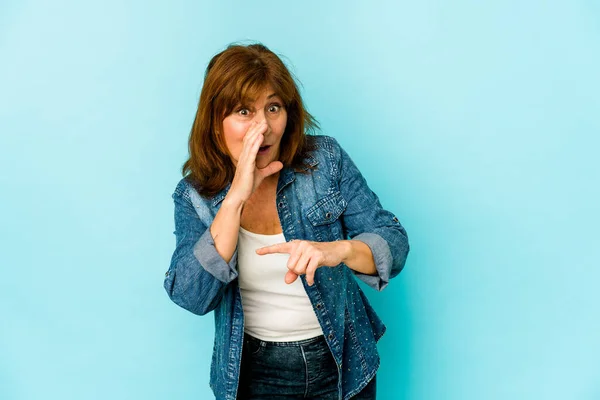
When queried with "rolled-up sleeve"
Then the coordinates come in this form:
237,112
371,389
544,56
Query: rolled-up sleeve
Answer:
197,275
366,220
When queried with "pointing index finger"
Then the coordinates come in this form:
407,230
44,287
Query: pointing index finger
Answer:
275,248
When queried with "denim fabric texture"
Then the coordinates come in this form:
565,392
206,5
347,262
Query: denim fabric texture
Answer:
330,202
304,369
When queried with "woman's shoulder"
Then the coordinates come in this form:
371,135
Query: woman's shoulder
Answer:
321,141
186,188
324,147
190,191
183,187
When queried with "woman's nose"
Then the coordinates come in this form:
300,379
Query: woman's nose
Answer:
260,118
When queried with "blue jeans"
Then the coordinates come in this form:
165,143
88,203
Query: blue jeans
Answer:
304,369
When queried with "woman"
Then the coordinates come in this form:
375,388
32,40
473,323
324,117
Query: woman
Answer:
273,226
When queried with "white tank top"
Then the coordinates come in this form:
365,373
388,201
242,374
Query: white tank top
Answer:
273,310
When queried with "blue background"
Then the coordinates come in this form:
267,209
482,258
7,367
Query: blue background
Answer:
477,123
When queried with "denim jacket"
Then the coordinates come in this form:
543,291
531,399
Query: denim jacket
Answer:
326,203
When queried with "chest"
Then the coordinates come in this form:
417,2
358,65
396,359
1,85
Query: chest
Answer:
260,213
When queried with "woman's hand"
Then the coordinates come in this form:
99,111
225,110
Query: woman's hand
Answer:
247,176
306,256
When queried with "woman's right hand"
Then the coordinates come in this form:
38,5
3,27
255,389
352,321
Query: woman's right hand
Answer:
247,175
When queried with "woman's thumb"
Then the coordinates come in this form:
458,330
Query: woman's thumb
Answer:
272,168
290,277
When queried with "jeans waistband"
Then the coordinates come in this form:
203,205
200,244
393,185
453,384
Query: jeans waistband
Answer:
297,343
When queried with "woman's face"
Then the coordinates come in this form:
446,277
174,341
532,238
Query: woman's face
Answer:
267,107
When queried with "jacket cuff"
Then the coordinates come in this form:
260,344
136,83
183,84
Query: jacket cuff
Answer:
209,258
383,260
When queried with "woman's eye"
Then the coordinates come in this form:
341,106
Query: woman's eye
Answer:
244,112
274,108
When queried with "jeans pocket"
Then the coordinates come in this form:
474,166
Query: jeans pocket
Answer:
322,365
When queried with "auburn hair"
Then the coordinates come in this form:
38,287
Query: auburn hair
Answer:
236,76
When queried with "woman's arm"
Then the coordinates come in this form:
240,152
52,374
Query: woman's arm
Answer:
358,256
205,258
198,274
226,226
378,245
365,220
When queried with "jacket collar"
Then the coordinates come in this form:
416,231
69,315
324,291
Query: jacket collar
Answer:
286,176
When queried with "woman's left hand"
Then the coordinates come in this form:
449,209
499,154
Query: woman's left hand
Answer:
307,256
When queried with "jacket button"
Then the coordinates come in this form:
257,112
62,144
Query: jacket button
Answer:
281,204
319,305
328,215
330,336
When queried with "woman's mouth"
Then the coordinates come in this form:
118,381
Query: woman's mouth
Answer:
263,150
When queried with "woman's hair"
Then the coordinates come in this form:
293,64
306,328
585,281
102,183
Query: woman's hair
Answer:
236,76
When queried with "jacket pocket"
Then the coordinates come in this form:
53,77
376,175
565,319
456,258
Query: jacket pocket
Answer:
324,217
